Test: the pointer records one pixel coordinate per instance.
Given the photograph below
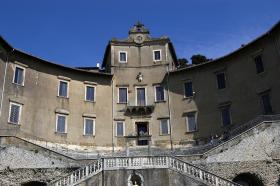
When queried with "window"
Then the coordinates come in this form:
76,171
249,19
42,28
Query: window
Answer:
259,64
19,76
266,103
188,89
61,123
157,55
123,95
15,112
164,127
226,117
141,96
122,57
159,93
120,128
63,89
90,93
89,126
221,80
191,122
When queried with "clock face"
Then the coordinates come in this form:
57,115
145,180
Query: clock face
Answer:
139,38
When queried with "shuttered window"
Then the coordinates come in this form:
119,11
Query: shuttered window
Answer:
221,80
226,117
15,110
61,124
188,89
120,128
19,76
89,126
122,95
159,93
63,89
164,127
90,93
191,122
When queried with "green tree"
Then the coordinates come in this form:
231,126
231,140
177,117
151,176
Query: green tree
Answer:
182,62
198,59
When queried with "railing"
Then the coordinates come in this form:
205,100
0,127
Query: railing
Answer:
146,162
198,173
252,123
80,175
136,162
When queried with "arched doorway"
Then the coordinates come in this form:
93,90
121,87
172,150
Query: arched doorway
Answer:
34,183
135,179
248,179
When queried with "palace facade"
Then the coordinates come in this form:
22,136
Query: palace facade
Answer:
140,96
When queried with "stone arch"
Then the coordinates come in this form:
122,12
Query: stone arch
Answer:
135,178
34,183
248,179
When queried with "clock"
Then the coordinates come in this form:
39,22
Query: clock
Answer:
139,38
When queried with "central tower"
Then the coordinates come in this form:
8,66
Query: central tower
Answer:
139,64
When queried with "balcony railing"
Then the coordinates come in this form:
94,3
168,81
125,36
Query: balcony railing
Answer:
139,110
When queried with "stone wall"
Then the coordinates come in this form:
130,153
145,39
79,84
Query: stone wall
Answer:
14,177
255,152
268,172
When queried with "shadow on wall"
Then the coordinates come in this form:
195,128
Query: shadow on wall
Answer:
248,179
34,183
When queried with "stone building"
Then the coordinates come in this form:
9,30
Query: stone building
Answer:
139,96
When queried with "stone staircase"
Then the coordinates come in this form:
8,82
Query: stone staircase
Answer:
143,162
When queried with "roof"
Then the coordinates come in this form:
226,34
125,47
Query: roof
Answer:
276,26
7,46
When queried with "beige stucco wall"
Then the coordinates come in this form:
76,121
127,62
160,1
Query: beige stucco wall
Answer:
243,86
40,102
140,59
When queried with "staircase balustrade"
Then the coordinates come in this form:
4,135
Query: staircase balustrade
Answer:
145,162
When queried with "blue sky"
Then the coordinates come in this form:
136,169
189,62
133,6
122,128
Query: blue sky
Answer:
75,33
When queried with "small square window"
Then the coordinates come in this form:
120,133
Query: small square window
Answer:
159,93
157,55
63,89
19,76
90,93
122,95
188,89
191,122
15,112
221,80
164,127
89,126
120,128
123,57
226,116
61,123
259,64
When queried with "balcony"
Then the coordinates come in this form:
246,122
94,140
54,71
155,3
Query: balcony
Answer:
142,110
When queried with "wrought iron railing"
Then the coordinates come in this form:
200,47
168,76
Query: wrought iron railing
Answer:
145,162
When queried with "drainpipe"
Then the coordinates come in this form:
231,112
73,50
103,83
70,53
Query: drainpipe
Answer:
4,82
169,111
113,144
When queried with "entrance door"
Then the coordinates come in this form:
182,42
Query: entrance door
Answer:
141,97
142,131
